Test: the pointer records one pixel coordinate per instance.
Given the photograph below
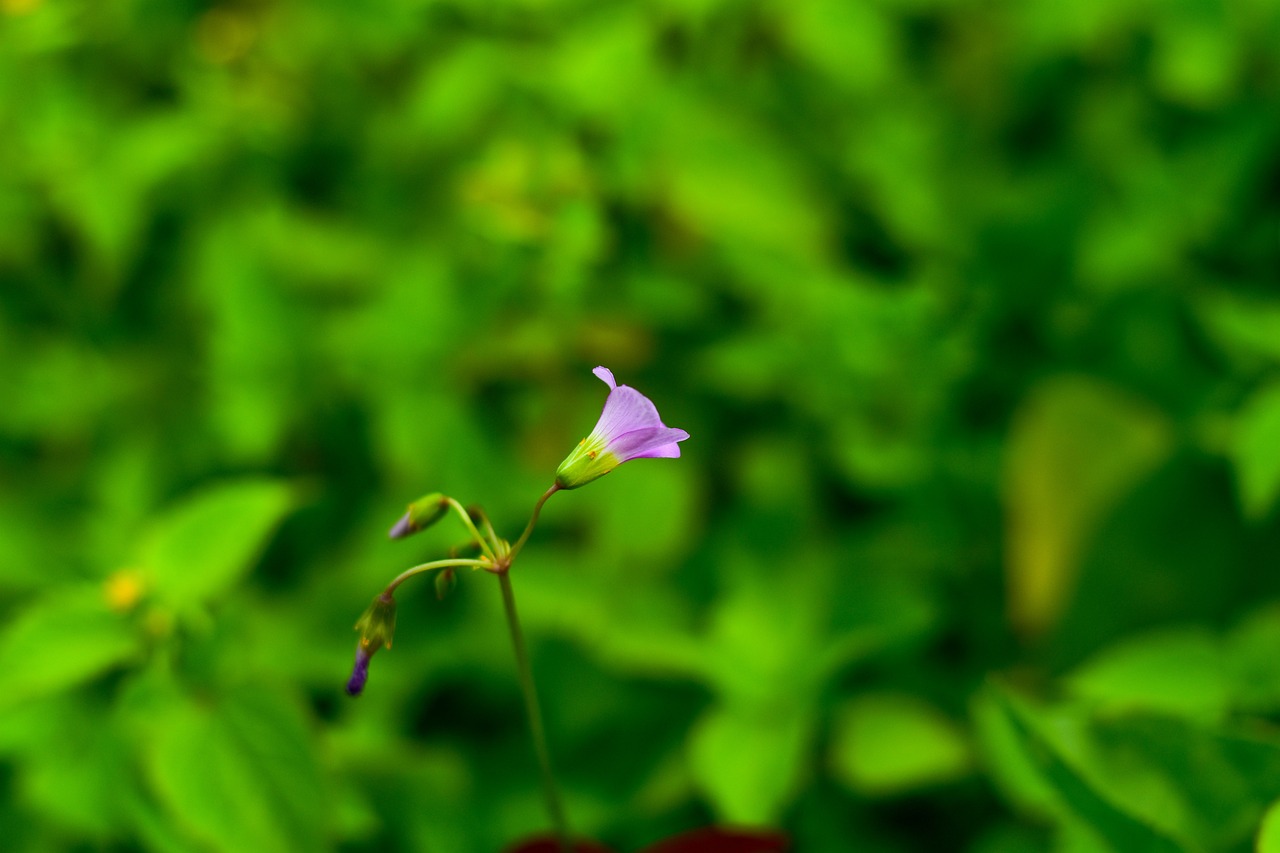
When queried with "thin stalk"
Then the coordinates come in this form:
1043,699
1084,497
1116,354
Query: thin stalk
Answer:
549,788
470,525
435,564
533,521
487,525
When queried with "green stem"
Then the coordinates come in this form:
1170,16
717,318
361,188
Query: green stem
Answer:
487,525
435,564
533,521
466,519
549,789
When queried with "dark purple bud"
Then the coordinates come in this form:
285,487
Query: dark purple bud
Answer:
360,674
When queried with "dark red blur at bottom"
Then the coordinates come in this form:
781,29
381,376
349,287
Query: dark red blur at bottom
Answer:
710,840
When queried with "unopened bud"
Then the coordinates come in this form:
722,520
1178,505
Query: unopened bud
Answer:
377,625
360,674
446,580
422,513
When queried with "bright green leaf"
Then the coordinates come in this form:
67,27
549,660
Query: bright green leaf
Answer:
1256,452
888,744
750,763
239,774
205,545
60,642
1174,672
1269,832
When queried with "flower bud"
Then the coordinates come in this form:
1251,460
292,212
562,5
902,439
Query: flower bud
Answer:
377,625
359,675
446,580
422,513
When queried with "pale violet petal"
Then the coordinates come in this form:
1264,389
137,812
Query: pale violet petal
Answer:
626,410
647,443
606,376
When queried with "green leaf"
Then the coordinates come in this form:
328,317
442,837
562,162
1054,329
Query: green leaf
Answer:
1256,452
60,642
750,762
239,774
1118,828
889,743
79,779
1076,449
1174,672
206,544
1269,833
1252,662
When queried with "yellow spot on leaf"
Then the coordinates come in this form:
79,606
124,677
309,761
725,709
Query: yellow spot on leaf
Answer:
124,589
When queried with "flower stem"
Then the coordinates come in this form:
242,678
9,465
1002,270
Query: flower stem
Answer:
549,788
435,564
471,527
533,520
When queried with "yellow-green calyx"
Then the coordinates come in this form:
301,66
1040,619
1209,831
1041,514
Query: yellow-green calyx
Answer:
588,461
377,625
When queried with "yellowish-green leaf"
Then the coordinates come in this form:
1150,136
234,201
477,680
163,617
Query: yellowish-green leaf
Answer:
1077,448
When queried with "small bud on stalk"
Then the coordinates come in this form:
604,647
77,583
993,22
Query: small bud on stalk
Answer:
446,580
377,627
422,513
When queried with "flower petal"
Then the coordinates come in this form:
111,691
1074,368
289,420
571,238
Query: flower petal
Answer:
626,410
648,443
606,376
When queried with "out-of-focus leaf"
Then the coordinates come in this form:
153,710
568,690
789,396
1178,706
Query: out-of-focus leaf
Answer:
1174,672
1252,662
239,773
886,744
1076,449
1119,829
82,778
750,762
1209,787
61,641
1269,833
204,546
1256,452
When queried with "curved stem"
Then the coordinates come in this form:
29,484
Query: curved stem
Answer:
533,520
549,788
435,564
486,524
466,520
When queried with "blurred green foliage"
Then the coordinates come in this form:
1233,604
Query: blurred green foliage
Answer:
972,311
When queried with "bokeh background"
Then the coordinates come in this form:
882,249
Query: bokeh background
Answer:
972,311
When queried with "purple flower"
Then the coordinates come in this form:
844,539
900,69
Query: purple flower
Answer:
360,674
629,428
